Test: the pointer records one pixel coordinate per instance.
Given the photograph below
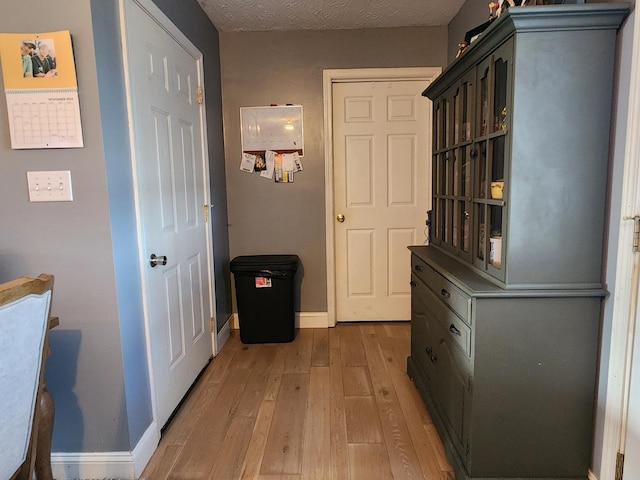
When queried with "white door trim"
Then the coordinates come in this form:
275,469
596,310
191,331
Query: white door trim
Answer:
626,283
428,74
161,19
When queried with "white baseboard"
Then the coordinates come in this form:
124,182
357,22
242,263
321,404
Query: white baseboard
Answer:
303,320
99,465
89,466
145,448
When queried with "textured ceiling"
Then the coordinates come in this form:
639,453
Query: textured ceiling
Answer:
261,15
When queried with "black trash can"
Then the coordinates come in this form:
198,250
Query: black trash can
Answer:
265,295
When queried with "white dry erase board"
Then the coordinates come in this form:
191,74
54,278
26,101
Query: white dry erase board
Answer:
276,128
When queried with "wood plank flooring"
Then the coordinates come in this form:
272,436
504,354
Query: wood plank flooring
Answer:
334,404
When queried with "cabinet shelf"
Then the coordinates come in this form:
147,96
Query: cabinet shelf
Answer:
490,201
491,135
454,147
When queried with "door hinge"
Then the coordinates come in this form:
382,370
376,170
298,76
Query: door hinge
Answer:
619,466
636,231
212,325
205,213
469,384
199,95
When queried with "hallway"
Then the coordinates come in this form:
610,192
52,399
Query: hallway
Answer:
333,404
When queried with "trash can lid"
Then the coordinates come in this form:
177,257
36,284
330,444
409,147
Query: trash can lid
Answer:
245,263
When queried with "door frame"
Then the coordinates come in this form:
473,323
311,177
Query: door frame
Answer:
625,295
161,19
329,77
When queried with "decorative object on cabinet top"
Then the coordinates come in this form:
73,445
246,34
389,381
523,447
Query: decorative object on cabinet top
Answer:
499,7
496,9
533,18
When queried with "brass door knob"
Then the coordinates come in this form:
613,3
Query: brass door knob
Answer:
340,218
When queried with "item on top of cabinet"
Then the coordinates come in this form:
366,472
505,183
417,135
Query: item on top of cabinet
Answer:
461,48
494,10
499,7
472,34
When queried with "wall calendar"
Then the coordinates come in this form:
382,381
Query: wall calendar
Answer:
40,85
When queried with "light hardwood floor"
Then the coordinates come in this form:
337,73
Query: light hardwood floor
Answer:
333,404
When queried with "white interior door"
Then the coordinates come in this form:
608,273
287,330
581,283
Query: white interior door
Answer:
172,190
381,151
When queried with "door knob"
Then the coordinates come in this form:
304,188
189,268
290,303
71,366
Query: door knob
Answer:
340,218
157,260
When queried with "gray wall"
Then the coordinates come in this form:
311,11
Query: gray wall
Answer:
73,242
97,370
473,13
262,68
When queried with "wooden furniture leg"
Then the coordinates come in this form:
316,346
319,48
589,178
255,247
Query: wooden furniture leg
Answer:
42,467
45,431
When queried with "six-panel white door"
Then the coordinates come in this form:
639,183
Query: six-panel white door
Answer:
382,178
171,179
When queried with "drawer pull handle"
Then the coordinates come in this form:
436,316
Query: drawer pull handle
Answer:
445,293
418,268
434,359
454,330
412,283
429,350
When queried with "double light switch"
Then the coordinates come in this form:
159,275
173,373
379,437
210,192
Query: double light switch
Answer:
50,186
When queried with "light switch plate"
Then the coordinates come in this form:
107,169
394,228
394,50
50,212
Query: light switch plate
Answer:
50,186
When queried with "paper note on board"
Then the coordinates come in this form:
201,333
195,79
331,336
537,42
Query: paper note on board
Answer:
297,163
287,162
270,161
248,162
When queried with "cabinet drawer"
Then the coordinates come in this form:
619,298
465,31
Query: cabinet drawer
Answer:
452,296
453,328
421,270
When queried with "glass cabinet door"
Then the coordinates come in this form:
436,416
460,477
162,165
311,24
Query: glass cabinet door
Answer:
452,168
490,151
463,193
439,172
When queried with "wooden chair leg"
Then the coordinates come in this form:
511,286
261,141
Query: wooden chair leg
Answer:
45,431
